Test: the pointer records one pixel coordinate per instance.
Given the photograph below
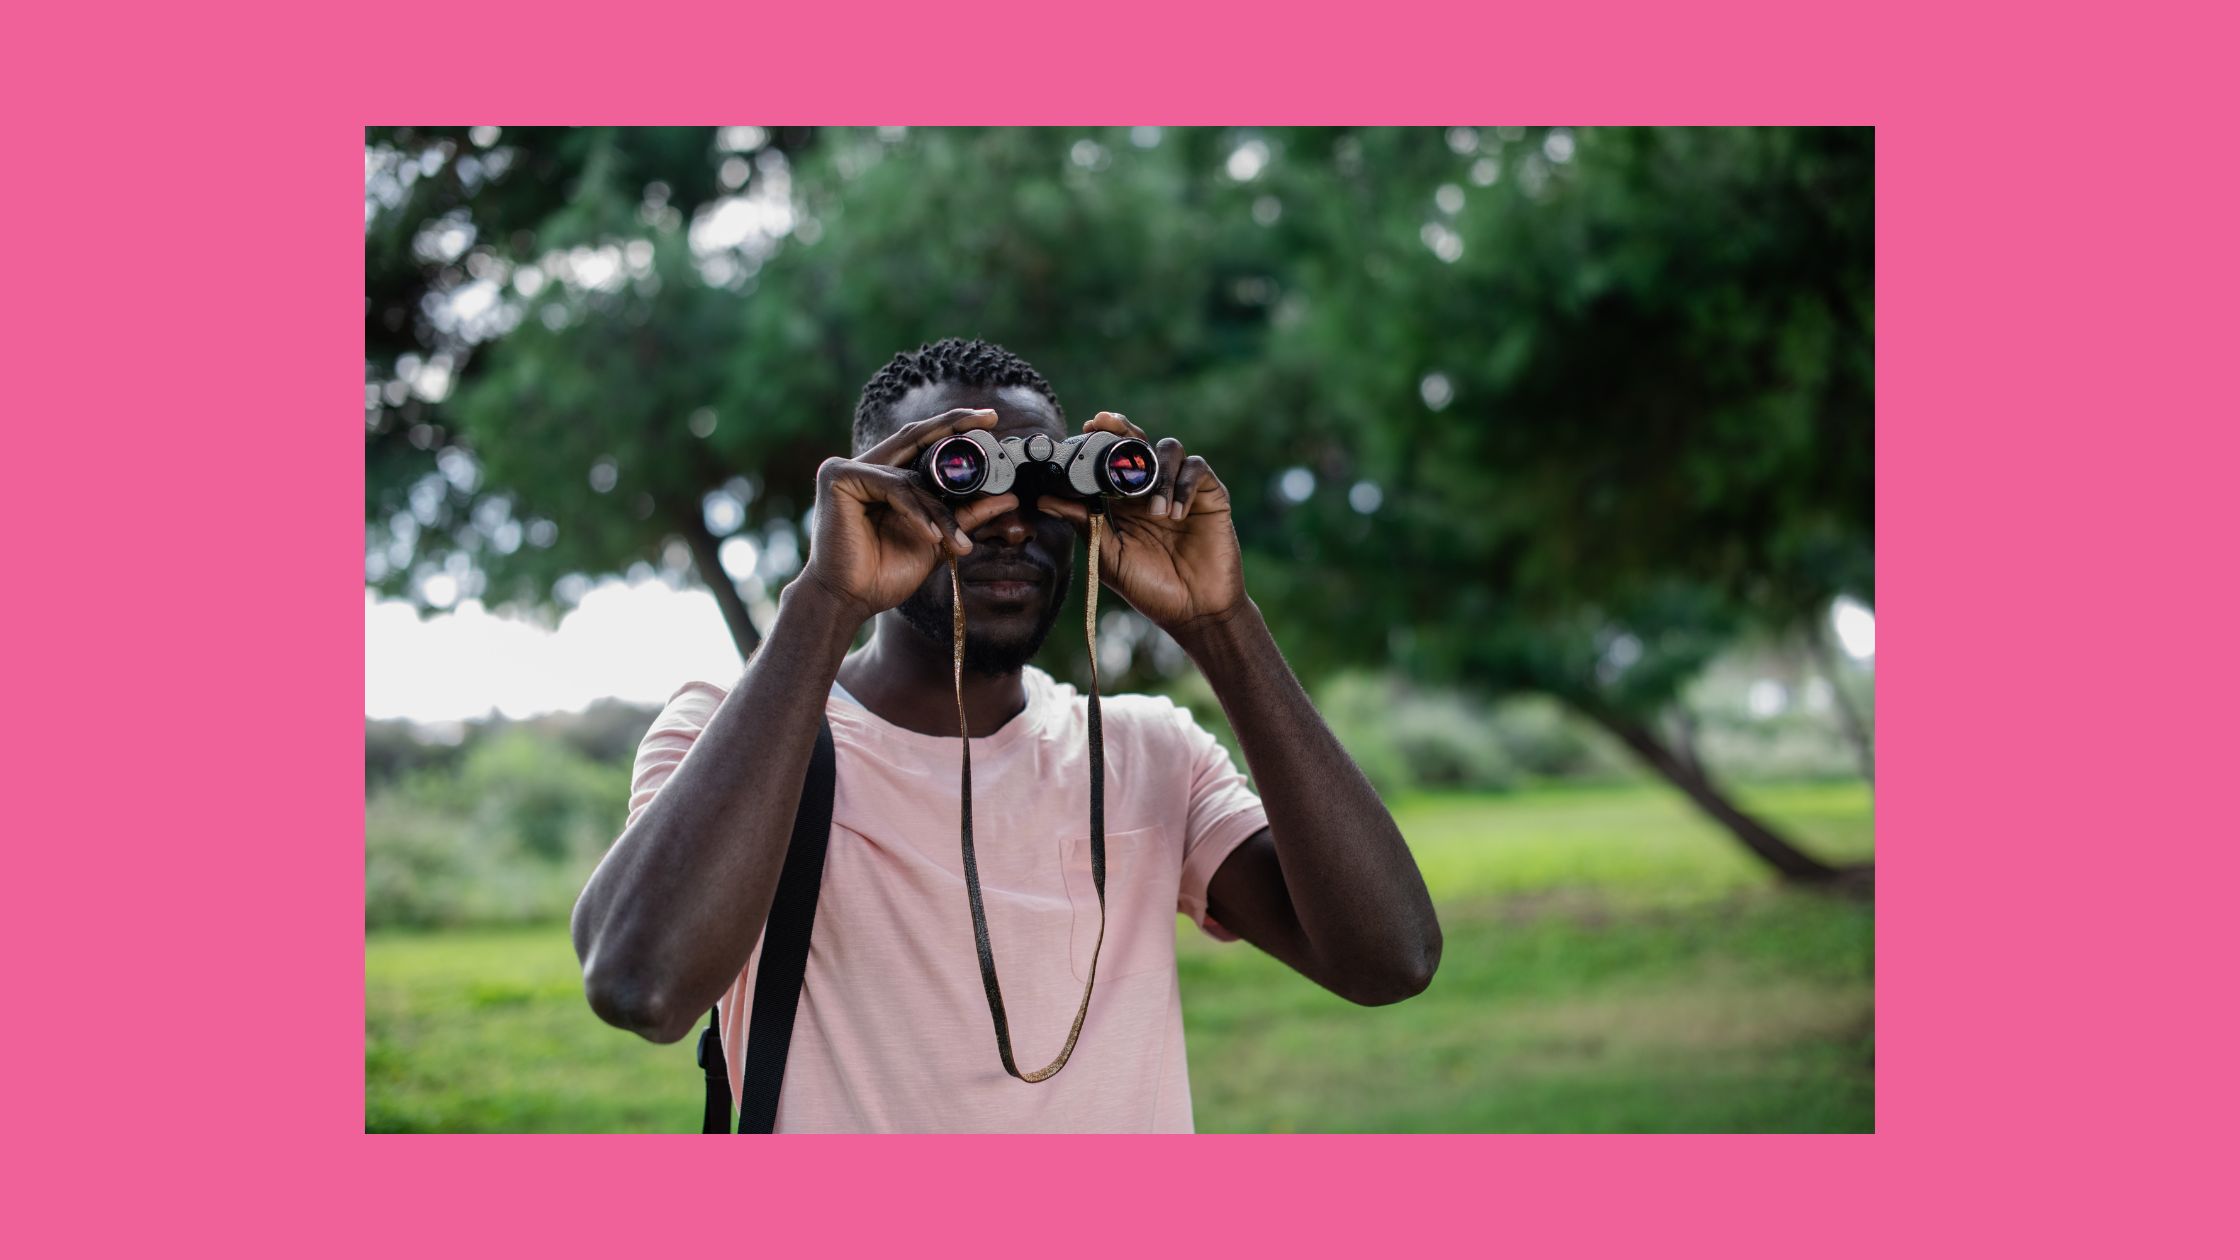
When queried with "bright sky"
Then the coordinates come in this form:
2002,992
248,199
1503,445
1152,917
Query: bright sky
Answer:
1854,624
637,641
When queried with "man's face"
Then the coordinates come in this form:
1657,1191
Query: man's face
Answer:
1021,563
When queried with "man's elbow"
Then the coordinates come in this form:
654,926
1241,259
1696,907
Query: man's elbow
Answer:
637,1006
1403,978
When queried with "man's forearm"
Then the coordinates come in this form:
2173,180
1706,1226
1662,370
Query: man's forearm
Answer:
1353,886
672,913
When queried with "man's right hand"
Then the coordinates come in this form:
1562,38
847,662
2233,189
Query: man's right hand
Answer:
879,531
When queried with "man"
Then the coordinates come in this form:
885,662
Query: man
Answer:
893,1029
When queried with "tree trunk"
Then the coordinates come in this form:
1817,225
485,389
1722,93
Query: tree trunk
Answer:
1854,725
708,563
1769,846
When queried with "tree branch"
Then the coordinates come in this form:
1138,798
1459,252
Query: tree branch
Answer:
1766,844
708,563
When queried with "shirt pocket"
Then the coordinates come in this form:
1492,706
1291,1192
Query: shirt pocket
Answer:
1141,879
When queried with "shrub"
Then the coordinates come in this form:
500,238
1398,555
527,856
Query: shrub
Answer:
1545,741
508,836
1404,739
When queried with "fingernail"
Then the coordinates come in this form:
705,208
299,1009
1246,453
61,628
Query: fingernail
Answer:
1158,505
985,411
1181,508
963,543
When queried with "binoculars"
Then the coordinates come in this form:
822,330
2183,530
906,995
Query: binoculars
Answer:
976,462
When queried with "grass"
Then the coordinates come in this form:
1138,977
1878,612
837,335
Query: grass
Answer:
1612,964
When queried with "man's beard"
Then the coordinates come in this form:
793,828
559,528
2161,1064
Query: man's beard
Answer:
927,611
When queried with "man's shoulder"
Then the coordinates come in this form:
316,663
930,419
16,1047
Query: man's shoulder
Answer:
1124,711
1146,708
689,707
697,690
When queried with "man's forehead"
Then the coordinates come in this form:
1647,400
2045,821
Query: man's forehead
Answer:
1019,409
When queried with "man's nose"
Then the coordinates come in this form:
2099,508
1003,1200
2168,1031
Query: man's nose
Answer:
1012,529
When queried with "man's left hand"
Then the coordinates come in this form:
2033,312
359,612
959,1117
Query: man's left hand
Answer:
1172,553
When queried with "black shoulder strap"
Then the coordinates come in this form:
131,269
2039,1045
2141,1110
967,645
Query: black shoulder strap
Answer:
785,957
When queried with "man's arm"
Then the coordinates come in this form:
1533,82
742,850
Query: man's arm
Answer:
671,914
673,911
1328,886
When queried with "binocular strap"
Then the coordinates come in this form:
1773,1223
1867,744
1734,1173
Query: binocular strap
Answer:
1096,818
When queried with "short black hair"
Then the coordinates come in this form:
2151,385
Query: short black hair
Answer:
956,360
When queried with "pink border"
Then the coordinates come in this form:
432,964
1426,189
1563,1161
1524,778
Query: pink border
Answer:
2056,286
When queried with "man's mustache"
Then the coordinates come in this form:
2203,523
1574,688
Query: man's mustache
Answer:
1019,568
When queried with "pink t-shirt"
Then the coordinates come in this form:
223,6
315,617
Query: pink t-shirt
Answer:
892,1032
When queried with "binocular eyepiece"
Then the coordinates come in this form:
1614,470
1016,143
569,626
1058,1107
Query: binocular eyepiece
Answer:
974,463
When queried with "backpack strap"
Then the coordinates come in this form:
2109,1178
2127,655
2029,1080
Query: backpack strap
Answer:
715,1115
785,959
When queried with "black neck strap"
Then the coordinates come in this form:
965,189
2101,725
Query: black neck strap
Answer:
1096,818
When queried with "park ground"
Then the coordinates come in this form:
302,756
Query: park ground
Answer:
1612,964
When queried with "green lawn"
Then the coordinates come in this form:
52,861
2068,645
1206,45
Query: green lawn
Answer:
1612,964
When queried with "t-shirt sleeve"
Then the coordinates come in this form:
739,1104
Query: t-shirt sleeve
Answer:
667,741
663,749
1224,813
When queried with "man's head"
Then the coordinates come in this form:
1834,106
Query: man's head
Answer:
1021,564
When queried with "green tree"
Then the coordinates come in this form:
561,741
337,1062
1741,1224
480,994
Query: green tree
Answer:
1512,409
549,361
1608,396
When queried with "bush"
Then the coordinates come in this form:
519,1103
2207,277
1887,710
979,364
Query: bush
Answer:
1544,741
1357,709
509,836
417,864
1447,744
1799,736
1405,739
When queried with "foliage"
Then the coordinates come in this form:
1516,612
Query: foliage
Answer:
1622,407
605,731
1403,739
1546,742
1558,411
508,836
1766,712
1651,348
1406,738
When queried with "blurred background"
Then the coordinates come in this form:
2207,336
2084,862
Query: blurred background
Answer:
1552,455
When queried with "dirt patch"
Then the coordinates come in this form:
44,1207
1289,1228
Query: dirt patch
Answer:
1708,1015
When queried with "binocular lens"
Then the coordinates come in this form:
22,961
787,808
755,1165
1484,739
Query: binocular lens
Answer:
958,466
1129,467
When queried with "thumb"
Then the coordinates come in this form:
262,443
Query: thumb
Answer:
1071,510
979,512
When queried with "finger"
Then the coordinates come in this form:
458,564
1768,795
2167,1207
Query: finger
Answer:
977,512
1072,511
953,537
904,443
903,504
1195,473
1114,422
1162,498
